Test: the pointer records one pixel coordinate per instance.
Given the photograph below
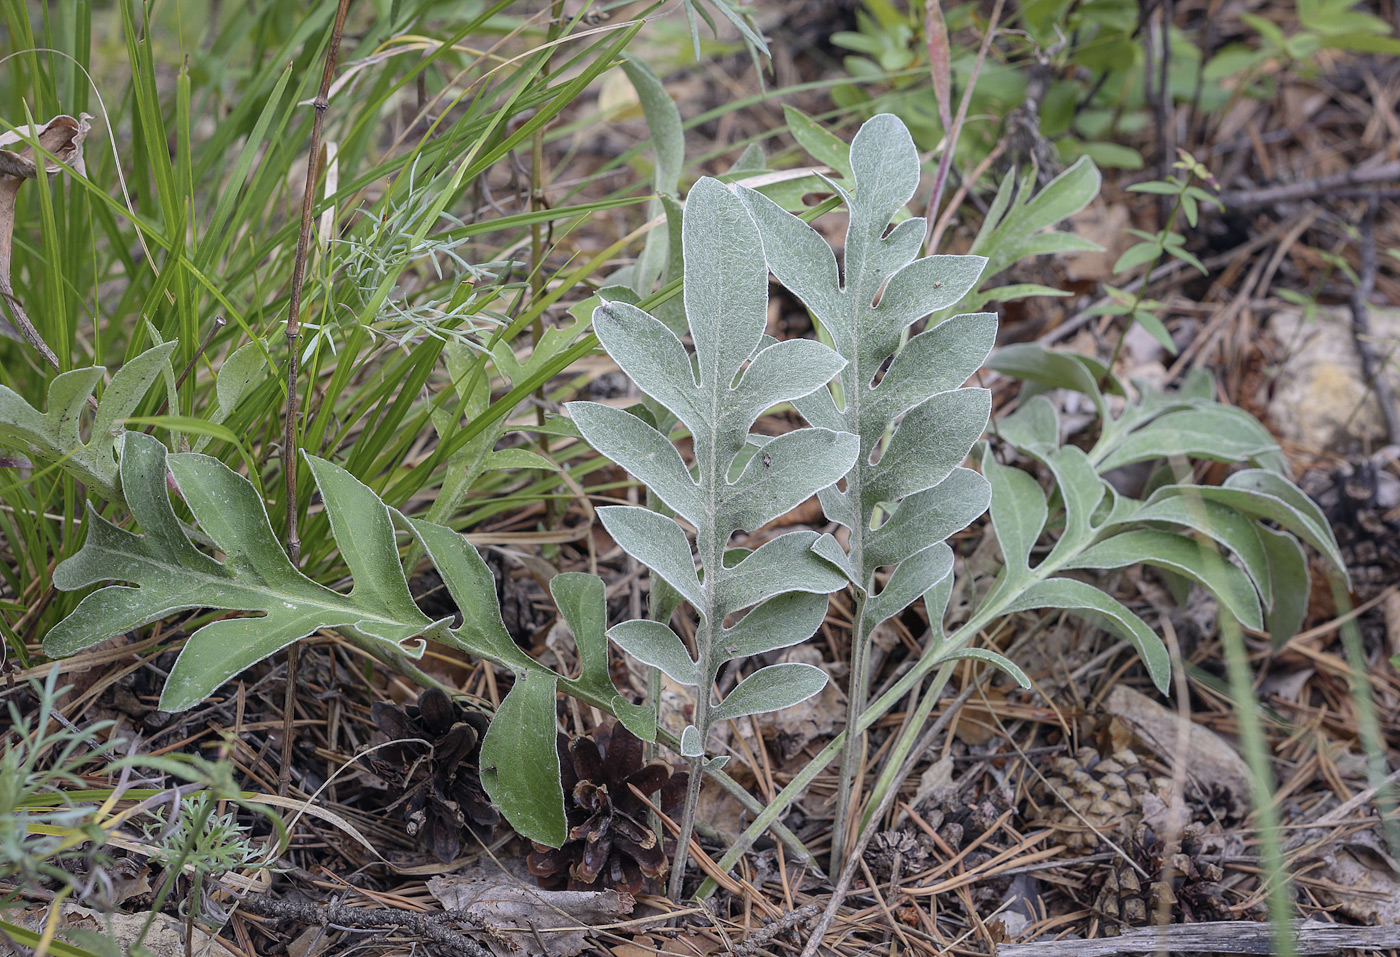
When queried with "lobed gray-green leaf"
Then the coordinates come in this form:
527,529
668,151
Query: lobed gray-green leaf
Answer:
657,542
644,452
55,435
1184,556
782,565
1019,512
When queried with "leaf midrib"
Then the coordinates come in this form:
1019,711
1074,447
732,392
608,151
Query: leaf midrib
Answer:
342,603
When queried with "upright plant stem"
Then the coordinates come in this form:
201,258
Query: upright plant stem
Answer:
1372,737
692,798
1261,782
1142,287
712,560
289,433
857,686
857,695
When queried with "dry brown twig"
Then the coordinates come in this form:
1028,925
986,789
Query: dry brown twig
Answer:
431,926
792,919
1371,366
1215,937
289,435
1255,197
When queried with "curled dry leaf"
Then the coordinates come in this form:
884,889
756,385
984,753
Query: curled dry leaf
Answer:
516,919
62,137
62,141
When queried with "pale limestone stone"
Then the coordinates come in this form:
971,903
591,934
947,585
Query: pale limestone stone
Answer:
1321,400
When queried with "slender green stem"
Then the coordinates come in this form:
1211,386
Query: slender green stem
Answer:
1147,278
537,250
895,762
858,681
932,658
712,560
1261,782
692,801
1372,737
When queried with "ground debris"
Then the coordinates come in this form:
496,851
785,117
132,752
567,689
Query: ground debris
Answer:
514,919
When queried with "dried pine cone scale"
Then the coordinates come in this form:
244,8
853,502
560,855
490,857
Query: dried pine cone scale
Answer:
610,843
435,765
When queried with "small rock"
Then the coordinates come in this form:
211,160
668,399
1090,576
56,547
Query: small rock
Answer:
1321,400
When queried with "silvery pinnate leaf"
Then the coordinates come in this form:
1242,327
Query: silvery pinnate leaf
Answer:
162,572
772,689
901,398
169,574
915,424
716,388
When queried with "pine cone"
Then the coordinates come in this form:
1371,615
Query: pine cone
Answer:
1124,898
1183,884
1107,793
1195,880
889,847
442,795
609,844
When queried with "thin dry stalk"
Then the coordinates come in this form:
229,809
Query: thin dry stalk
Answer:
289,435
1371,365
950,135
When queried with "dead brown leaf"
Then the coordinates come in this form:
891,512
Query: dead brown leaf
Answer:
1365,877
1103,224
165,937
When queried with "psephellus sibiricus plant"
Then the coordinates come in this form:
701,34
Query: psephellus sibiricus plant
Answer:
740,481
905,493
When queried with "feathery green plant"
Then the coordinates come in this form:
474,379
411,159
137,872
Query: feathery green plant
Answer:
58,824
